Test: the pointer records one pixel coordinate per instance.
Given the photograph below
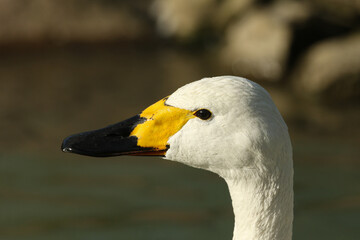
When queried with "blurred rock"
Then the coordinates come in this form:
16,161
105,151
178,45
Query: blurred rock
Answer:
257,44
291,11
331,68
181,18
67,20
185,19
229,9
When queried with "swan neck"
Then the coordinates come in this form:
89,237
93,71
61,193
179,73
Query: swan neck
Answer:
263,208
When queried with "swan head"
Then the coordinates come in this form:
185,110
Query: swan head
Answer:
222,124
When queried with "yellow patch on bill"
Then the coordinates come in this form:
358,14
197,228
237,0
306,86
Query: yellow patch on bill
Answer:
162,122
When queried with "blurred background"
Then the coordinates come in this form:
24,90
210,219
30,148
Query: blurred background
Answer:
74,65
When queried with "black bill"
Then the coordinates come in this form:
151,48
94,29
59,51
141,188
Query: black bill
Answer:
113,140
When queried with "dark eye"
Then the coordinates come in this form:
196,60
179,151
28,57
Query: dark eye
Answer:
203,114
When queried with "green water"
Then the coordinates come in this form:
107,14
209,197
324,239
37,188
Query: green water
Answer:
127,198
149,198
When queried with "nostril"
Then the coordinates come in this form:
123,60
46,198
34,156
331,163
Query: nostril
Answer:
67,149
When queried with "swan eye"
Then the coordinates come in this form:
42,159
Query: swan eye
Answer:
203,114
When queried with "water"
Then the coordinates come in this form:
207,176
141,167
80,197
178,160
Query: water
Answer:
137,198
47,94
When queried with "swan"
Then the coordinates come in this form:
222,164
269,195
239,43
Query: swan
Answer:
227,125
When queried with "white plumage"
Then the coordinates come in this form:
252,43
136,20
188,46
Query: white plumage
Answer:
247,143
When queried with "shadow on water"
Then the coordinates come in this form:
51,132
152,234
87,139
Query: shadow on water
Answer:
47,94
